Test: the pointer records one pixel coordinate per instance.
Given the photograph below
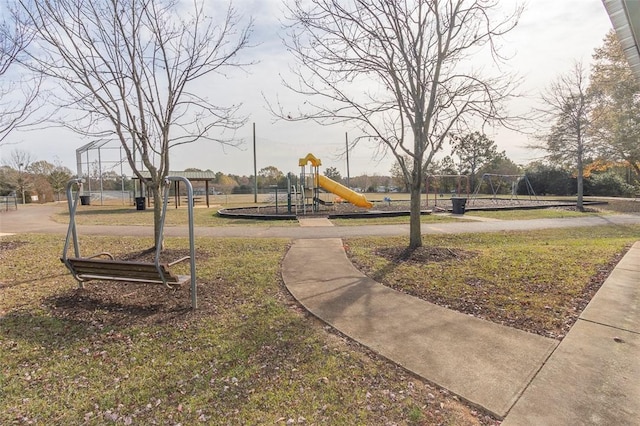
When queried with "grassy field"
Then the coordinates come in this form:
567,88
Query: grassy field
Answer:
551,213
117,215
429,218
135,354
537,281
618,205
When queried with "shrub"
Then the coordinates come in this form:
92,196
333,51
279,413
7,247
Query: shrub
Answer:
608,184
547,180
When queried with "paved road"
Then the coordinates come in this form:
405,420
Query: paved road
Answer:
37,219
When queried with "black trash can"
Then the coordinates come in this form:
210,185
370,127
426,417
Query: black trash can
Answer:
85,200
458,205
141,203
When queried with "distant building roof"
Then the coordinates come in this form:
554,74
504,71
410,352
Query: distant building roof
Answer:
194,176
625,17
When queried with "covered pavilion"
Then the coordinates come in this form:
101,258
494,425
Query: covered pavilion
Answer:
192,176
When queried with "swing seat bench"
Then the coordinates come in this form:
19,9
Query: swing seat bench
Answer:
103,266
92,268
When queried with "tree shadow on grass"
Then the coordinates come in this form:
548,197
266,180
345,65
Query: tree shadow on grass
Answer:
131,304
45,331
92,211
78,314
398,255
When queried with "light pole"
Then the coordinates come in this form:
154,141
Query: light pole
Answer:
21,181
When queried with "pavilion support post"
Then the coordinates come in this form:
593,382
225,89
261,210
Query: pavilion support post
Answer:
206,191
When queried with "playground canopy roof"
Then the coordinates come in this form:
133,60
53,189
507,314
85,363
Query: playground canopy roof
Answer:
625,17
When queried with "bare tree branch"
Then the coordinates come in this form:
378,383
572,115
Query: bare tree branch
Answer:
129,68
402,71
18,93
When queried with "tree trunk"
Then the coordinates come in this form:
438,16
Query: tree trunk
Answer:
580,178
580,182
156,192
415,233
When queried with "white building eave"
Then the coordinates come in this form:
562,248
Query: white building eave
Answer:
625,17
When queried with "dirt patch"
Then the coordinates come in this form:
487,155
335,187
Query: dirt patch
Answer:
423,255
109,303
10,245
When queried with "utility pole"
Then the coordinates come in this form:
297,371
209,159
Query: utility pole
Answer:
255,168
21,181
346,141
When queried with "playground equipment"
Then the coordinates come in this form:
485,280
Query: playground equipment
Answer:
343,192
309,187
110,269
436,182
495,183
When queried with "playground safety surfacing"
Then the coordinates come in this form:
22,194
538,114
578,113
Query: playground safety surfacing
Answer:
389,209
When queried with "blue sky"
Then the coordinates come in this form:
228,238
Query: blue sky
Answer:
550,36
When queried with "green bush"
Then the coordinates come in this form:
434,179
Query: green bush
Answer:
608,184
547,180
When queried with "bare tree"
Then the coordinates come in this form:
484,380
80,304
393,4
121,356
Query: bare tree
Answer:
18,94
21,161
568,141
616,114
401,70
136,71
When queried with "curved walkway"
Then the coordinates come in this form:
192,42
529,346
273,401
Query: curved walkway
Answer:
485,363
591,377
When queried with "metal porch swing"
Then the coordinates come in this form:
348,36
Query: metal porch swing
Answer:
103,266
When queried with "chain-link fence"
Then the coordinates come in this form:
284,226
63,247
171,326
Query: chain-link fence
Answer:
8,202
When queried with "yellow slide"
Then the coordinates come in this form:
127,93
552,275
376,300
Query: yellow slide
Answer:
344,192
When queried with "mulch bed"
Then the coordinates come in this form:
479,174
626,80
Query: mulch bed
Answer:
474,307
423,254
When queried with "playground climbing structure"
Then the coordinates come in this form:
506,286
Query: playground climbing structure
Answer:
308,191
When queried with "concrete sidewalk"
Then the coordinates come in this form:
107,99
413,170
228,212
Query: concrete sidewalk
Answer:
593,377
483,362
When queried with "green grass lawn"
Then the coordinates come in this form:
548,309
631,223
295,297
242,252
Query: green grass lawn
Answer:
551,213
618,205
429,218
136,354
111,215
537,281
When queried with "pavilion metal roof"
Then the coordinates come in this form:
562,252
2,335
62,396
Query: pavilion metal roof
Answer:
194,176
625,17
93,145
